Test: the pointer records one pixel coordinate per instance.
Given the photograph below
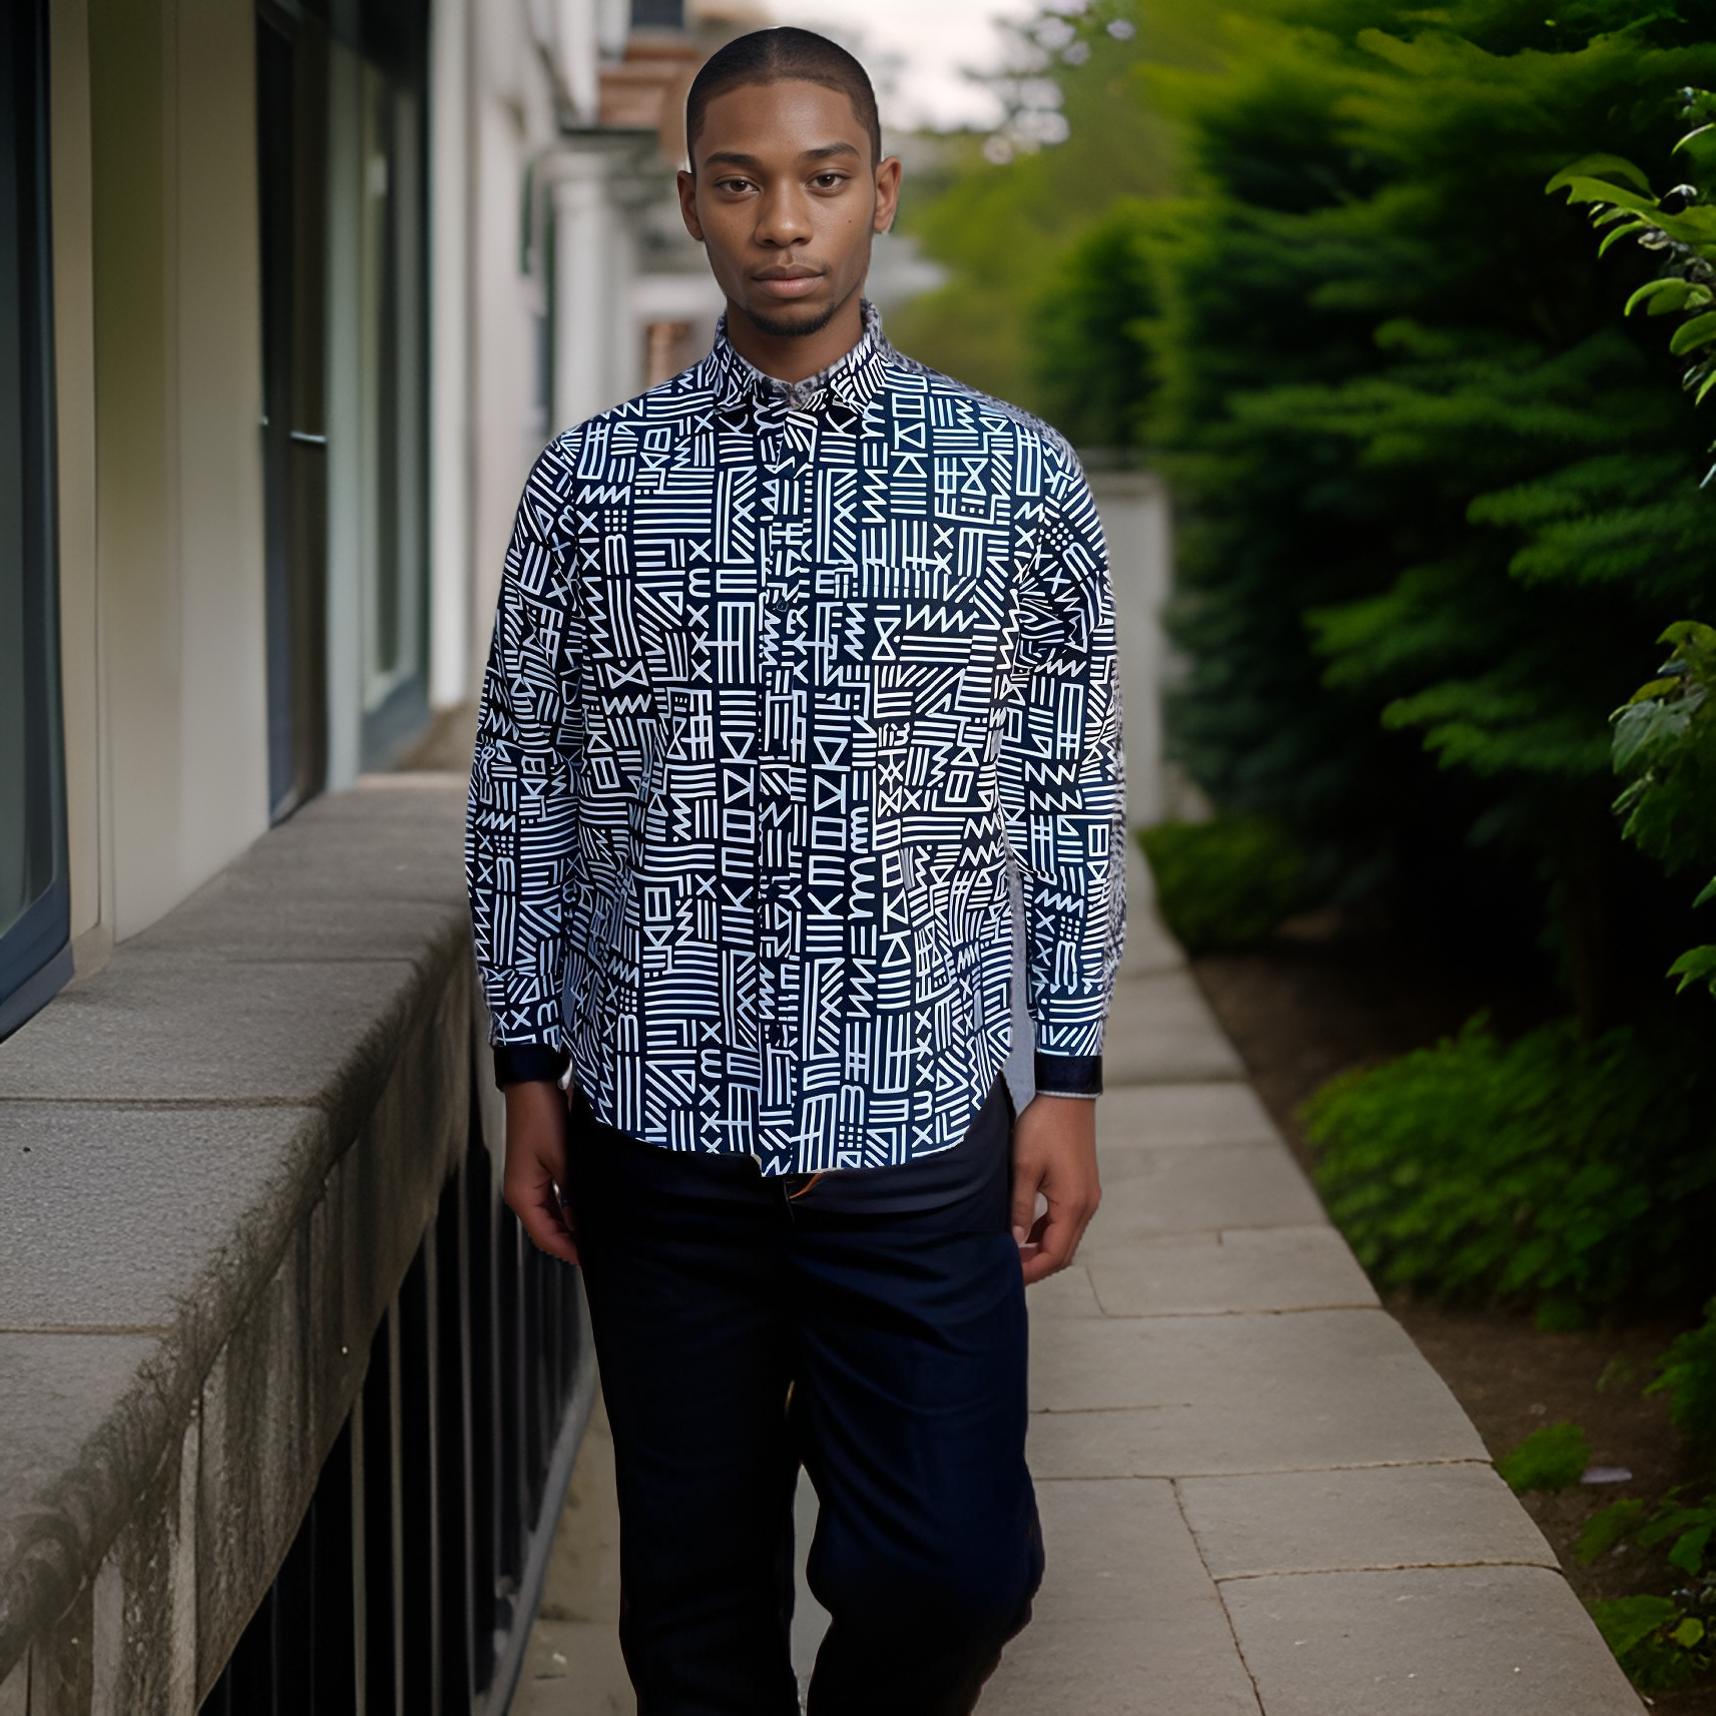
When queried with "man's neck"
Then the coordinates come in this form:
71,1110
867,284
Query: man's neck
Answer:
792,357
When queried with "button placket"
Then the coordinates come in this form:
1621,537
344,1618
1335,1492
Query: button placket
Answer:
786,419
781,500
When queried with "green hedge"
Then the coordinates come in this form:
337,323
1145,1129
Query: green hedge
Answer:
1572,1176
1226,882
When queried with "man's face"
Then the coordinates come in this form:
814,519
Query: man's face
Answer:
784,183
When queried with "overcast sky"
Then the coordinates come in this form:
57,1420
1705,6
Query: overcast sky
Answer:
934,37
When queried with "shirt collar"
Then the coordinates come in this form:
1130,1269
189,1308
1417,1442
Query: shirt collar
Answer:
848,382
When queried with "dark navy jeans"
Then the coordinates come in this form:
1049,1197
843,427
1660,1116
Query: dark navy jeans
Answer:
854,1321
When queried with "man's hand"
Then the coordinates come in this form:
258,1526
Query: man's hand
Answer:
1054,1151
536,1165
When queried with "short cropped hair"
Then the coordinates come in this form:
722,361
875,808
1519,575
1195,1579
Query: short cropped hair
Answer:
773,56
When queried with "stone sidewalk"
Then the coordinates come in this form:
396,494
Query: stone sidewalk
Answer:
1257,1496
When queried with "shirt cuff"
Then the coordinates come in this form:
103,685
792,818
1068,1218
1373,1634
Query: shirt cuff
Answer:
1067,1075
518,1063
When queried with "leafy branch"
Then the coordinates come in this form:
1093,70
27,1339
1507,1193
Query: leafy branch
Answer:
1663,737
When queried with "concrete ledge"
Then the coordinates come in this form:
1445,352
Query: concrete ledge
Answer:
218,1155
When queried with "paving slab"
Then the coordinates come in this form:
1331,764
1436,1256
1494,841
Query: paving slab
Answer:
1159,1029
573,1668
1066,1293
1146,1192
1458,1514
573,1665
1118,1549
1443,1641
1252,1391
1150,945
1127,1618
1234,1269
582,1582
809,1618
1132,1671
1192,1114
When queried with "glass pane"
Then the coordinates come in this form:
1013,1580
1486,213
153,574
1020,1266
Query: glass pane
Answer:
394,398
20,880
31,842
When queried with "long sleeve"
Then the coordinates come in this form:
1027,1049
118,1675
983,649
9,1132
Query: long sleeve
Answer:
1062,781
520,827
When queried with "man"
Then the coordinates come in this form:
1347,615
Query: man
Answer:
802,656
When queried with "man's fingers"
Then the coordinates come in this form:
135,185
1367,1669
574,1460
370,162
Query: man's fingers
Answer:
544,1221
1050,1253
1056,1234
1027,1177
536,1156
1054,1158
533,1196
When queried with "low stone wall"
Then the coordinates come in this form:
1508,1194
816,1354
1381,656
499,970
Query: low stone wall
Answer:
218,1156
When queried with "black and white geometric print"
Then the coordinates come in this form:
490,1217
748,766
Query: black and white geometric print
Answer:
785,680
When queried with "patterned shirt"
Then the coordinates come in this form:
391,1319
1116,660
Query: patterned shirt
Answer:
787,682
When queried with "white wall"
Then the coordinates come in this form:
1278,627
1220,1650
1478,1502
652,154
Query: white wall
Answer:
175,485
158,356
492,413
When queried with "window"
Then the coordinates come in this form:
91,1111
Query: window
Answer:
392,446
342,158
35,917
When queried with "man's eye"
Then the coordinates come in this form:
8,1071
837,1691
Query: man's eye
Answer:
838,178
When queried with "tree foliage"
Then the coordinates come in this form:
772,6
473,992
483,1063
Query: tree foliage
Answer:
1665,735
1432,490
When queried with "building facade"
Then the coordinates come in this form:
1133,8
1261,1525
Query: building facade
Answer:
299,287
293,291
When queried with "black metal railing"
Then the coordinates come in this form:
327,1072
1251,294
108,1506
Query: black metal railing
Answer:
414,1577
